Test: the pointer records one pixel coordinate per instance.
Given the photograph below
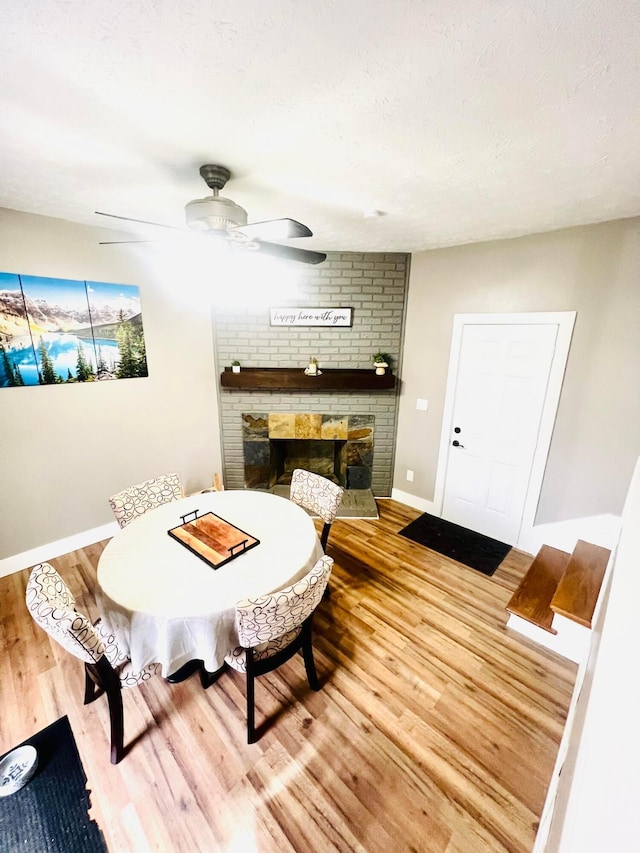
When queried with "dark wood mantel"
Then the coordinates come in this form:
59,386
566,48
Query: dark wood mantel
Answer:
295,379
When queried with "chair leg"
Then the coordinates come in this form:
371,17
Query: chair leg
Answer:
89,687
307,652
108,681
251,708
117,727
116,716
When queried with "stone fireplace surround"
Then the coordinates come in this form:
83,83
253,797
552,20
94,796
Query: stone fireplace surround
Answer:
337,446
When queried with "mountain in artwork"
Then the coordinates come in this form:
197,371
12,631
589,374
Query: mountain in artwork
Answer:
47,317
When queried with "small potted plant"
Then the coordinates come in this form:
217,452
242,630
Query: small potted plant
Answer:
235,366
381,360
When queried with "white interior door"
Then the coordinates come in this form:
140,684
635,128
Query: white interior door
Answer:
499,397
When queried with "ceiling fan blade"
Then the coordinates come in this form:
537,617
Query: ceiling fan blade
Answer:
275,229
291,253
141,221
157,240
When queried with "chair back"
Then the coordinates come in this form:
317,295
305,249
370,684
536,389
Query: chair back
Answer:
52,605
316,493
259,620
133,502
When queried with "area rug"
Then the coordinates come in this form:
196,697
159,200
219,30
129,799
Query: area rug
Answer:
464,546
49,815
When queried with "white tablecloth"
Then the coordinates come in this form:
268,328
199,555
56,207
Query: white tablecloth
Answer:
167,605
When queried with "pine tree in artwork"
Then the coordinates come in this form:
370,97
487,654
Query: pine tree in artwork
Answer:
17,376
141,353
131,348
84,371
46,374
101,366
126,366
7,368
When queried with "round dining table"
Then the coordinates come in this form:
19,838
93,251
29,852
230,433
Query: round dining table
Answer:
167,605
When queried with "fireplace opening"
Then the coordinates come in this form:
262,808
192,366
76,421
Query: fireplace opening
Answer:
321,456
336,446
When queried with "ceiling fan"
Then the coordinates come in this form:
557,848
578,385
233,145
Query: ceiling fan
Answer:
221,217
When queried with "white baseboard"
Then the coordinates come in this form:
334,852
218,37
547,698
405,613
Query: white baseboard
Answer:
413,501
9,565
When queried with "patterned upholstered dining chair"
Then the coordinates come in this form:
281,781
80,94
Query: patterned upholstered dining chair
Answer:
52,605
133,502
318,495
272,628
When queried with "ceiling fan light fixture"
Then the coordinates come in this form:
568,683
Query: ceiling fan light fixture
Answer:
214,213
225,222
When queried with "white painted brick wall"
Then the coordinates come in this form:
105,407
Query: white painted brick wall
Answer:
374,285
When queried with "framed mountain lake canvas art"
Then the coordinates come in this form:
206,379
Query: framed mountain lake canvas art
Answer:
57,331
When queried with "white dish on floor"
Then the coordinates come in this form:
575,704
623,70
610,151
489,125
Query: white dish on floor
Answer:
16,768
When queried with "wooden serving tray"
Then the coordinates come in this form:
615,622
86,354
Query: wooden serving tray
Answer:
213,539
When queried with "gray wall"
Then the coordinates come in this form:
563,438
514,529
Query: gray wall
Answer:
593,270
64,449
374,285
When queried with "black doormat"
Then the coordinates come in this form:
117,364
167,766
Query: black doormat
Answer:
49,815
465,546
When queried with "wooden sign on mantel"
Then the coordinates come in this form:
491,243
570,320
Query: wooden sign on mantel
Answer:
311,316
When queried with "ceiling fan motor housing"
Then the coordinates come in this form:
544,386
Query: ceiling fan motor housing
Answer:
214,213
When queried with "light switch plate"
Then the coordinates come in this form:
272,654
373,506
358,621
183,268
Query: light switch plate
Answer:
422,405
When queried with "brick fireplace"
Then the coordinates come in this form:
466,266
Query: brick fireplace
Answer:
349,432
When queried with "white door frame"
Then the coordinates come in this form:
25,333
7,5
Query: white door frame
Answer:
565,321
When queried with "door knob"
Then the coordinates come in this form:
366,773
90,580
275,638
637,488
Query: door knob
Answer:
456,443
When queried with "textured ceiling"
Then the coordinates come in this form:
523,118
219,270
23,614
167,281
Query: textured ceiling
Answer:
459,121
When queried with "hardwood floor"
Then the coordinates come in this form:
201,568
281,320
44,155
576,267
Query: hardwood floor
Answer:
435,730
